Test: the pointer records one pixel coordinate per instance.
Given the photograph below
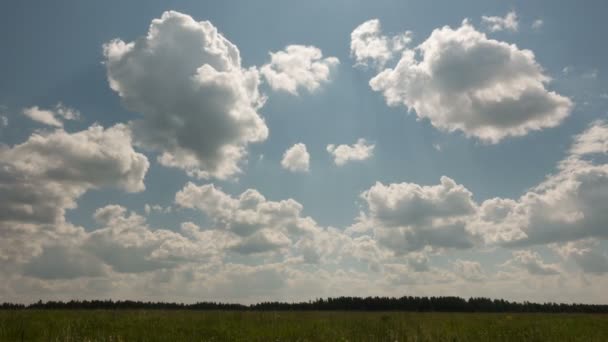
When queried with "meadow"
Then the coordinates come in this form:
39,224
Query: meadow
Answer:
183,325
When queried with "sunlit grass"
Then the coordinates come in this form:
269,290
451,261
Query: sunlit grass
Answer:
142,325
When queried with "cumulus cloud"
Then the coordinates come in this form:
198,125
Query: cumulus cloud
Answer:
248,213
408,217
532,263
566,206
198,104
586,255
369,46
261,227
127,244
508,22
462,81
44,176
342,154
297,67
3,121
593,141
296,158
52,117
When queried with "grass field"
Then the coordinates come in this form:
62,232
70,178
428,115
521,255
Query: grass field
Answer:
296,326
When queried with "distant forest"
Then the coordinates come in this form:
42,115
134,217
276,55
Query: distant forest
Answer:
413,304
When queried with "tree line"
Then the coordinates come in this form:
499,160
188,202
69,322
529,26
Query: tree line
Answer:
406,303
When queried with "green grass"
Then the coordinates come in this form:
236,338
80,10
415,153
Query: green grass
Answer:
144,325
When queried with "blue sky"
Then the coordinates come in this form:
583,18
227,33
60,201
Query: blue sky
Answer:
512,142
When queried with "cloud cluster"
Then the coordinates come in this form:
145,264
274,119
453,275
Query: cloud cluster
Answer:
342,154
462,81
532,263
44,176
198,104
408,217
296,158
296,67
566,206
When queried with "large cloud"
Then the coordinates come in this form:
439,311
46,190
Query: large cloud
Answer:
568,205
462,81
44,176
296,67
198,104
408,217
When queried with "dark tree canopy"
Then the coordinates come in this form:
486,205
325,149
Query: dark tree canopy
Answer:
406,303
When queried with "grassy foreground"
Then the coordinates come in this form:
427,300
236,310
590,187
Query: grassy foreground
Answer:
50,325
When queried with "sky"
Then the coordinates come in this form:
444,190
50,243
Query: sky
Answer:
247,151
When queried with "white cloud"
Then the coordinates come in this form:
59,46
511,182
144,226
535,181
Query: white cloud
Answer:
369,46
462,81
246,214
508,22
532,263
52,117
127,244
199,104
537,24
586,255
342,154
296,158
3,121
407,217
593,141
298,66
566,206
44,176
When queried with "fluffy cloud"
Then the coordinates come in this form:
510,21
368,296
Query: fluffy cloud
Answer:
407,217
198,104
248,213
44,176
261,226
342,154
508,22
586,255
296,67
462,81
593,141
296,158
566,206
532,263
369,46
128,244
52,117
